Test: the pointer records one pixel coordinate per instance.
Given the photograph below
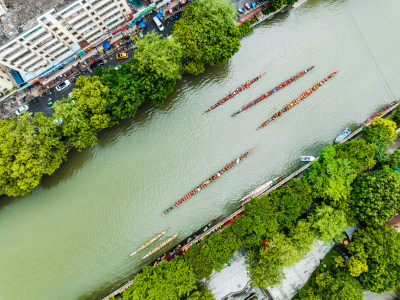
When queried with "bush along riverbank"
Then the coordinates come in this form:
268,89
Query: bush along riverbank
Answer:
351,182
34,146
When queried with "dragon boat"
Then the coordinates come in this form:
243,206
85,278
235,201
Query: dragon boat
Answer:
207,182
145,245
260,190
162,245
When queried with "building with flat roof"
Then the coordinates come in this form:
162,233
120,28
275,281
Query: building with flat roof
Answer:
61,32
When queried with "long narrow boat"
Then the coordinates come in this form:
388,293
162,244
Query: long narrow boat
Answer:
260,190
162,245
234,93
271,92
343,135
145,245
207,182
380,112
297,101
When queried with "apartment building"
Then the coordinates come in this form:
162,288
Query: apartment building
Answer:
60,33
6,80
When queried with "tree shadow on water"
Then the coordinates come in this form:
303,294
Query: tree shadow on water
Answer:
75,161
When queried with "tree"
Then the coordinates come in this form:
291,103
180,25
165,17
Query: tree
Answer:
379,247
207,33
331,284
168,280
356,267
331,178
198,259
381,132
300,188
30,148
359,153
158,56
91,98
75,127
289,210
376,197
328,222
220,248
259,222
201,294
277,4
265,265
302,236
393,160
124,96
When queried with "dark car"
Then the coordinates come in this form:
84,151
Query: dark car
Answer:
97,63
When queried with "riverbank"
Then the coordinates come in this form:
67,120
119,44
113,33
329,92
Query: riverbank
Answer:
183,247
97,207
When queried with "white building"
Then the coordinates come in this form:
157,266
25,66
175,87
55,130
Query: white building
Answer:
59,34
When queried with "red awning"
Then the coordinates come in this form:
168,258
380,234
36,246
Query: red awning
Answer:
122,28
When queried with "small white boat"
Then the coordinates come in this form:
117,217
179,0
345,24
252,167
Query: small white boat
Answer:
343,135
307,158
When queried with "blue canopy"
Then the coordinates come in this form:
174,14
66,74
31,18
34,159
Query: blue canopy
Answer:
142,25
139,19
106,45
159,15
161,11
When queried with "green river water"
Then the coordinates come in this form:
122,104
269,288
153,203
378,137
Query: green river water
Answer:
69,238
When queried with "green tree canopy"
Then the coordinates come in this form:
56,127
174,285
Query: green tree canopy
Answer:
158,56
331,178
265,265
172,280
75,126
302,236
277,4
381,132
328,222
259,222
207,33
91,98
359,153
333,286
198,258
376,197
30,148
220,248
379,247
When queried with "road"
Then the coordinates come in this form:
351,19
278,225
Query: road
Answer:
111,60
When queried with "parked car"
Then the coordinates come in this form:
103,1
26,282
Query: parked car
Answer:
158,23
97,63
247,5
63,85
240,10
21,109
122,55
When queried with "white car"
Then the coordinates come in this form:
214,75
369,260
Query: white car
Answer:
21,109
63,85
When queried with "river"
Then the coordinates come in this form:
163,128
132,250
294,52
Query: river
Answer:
69,238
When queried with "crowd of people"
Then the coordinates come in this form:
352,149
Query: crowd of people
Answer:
297,101
234,93
205,183
380,112
275,89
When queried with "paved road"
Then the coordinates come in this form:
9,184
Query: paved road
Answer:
111,60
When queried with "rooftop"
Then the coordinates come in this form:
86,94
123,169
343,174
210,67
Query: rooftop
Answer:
21,16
